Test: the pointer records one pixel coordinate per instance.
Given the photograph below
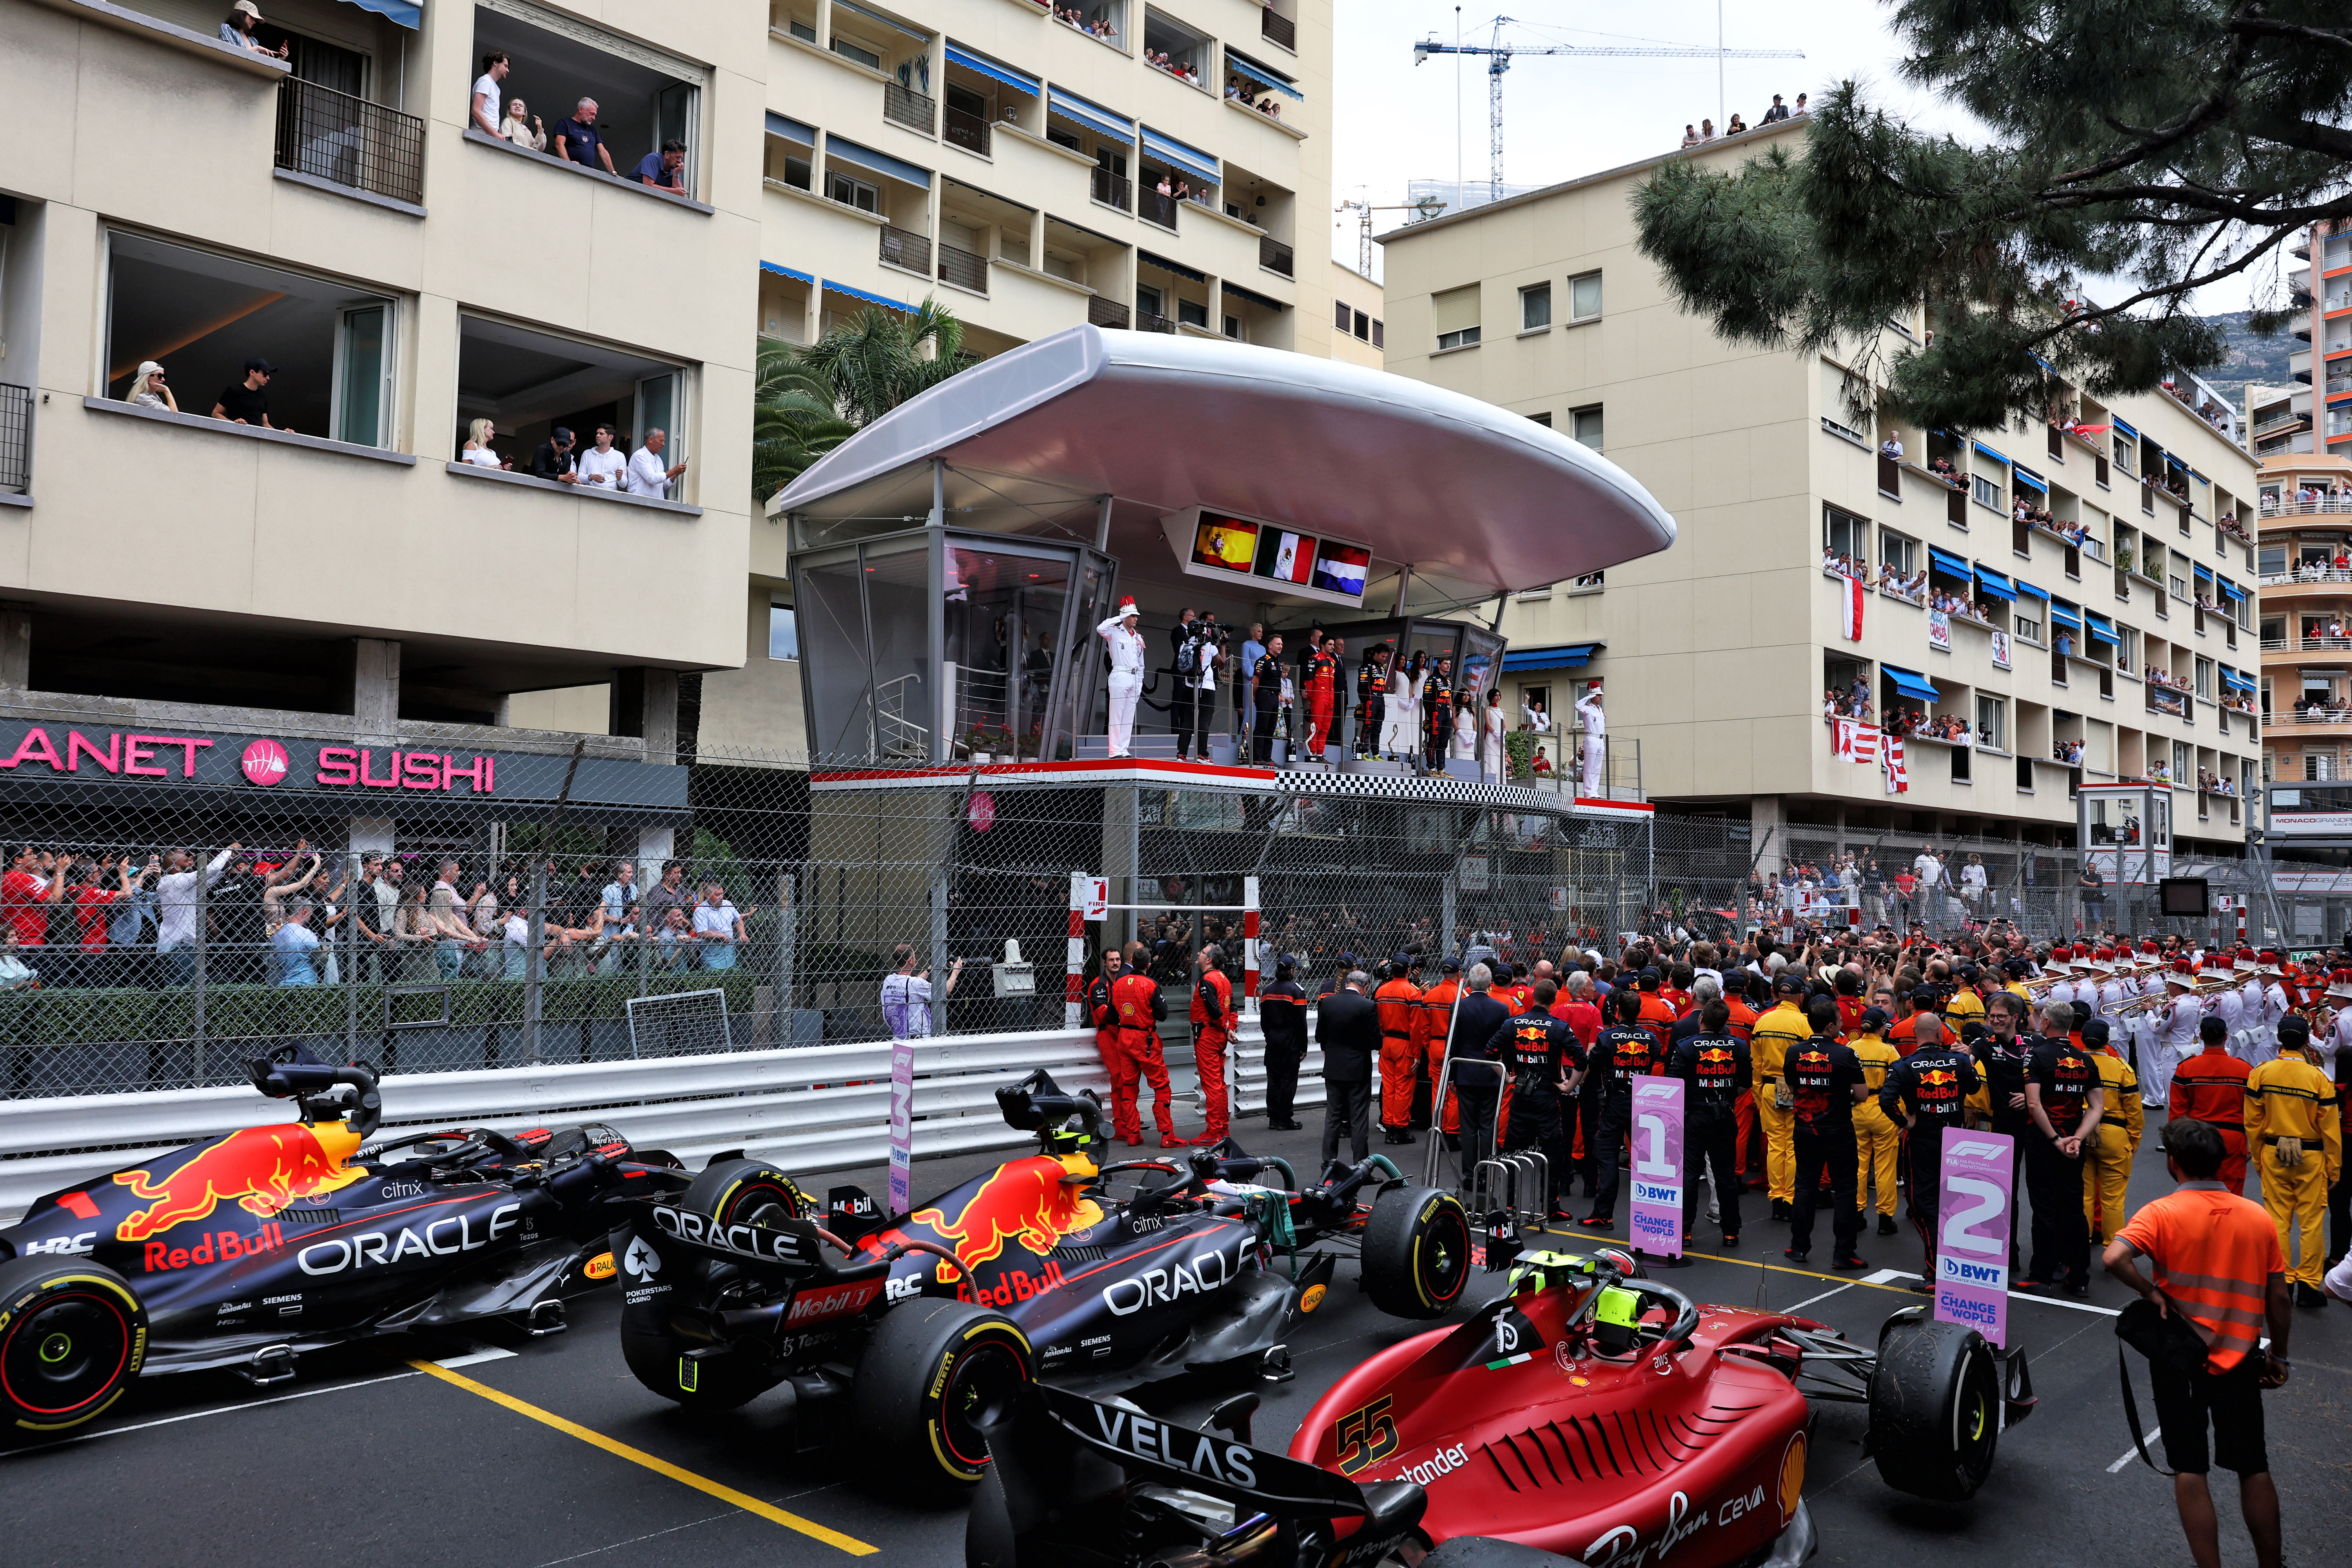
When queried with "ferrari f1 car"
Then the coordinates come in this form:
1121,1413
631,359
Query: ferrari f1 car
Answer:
913,1327
247,1250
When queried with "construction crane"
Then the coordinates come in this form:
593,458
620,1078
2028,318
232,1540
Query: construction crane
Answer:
1498,60
1428,208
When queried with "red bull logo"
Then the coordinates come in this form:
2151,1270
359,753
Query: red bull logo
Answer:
1029,1201
261,1170
1935,1076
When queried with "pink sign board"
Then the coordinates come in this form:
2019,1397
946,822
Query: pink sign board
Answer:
902,1124
1657,1151
1974,1212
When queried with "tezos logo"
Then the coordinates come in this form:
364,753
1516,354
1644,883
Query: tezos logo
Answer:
642,1262
266,763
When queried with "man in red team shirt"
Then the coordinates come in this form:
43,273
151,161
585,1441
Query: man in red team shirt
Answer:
34,878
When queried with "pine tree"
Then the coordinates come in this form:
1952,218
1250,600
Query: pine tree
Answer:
2139,148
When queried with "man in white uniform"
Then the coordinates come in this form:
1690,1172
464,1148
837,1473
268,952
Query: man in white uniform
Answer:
2268,1008
1596,740
2156,1063
1126,673
2180,1017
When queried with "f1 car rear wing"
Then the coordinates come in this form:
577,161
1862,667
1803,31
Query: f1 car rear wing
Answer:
791,1252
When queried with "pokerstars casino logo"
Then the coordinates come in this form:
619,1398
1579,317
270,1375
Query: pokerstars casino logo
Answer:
266,763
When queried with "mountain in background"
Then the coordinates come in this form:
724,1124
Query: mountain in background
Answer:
2256,360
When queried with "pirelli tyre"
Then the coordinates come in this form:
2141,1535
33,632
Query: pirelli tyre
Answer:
933,1373
1416,1252
746,1191
72,1338
1935,1407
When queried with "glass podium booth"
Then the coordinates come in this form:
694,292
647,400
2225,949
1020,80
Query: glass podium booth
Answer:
943,646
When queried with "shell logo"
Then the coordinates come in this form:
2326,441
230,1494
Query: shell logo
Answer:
266,763
1793,1478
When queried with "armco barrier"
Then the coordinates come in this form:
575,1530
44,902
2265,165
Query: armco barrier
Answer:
820,1107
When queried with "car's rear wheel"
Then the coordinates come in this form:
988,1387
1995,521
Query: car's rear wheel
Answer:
1416,1252
933,1373
747,1192
72,1337
733,1191
1935,1408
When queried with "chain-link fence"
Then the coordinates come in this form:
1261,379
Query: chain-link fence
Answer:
173,906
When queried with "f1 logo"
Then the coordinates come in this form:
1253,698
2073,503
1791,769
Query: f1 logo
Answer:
1977,1149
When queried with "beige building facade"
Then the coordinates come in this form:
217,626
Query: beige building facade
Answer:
2107,634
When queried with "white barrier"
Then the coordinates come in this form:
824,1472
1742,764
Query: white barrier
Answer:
813,1109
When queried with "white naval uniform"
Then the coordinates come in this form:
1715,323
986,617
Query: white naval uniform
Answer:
1125,680
2230,1008
2156,1064
2180,1017
1596,744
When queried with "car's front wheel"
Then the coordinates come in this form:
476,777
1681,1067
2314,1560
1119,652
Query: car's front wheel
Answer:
1935,1407
1417,1252
72,1337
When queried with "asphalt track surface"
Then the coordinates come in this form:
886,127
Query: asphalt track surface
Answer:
537,1452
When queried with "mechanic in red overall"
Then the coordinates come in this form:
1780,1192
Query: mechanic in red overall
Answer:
2211,1087
1212,1027
1135,997
1102,1015
1398,1002
1433,1020
1322,687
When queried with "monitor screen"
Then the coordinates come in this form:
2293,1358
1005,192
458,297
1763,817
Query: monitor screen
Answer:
1340,568
1225,543
2184,896
1287,557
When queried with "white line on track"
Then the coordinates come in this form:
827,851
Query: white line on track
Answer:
1823,1297
476,1356
2131,1453
1888,1276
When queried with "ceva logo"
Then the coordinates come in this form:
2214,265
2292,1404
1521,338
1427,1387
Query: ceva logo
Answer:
266,763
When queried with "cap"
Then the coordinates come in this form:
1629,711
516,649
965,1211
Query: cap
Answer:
1400,961
1347,958
256,362
1789,982
2094,1031
1647,979
1873,1019
249,7
1450,966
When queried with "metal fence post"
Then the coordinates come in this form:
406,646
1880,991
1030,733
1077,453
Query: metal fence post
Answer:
535,964
788,918
203,916
352,889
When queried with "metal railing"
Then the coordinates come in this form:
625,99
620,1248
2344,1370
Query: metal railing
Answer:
1144,321
1279,28
966,130
1158,209
1102,312
1113,190
334,136
906,107
1271,254
2308,578
963,269
904,248
15,437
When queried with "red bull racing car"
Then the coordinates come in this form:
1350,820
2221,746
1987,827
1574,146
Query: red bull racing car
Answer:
914,1327
245,1250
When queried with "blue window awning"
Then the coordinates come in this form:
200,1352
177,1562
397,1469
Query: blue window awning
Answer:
2232,590
783,271
981,65
2176,462
1996,584
878,162
1192,159
2025,476
1989,452
1178,267
2203,573
1260,75
2028,590
407,12
1911,683
2065,615
2236,681
1945,561
1102,122
882,300
2122,428
791,129
2100,627
1563,656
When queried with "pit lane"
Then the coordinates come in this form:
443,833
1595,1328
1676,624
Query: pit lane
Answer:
365,1456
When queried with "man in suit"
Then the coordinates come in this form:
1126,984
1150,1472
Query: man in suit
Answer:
1480,1013
1348,1027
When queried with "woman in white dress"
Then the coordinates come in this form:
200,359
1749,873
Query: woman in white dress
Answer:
478,451
1464,745
1493,739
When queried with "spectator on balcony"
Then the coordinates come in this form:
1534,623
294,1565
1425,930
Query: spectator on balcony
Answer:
1777,113
554,459
523,128
644,475
1690,134
1800,104
577,140
665,170
1166,186
488,94
238,31
1737,127
247,402
602,465
1892,448
1706,129
149,389
477,451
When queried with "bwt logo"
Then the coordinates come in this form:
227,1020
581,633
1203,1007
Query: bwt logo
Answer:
266,763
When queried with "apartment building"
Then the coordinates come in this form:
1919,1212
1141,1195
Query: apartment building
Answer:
1359,317
373,560
2106,634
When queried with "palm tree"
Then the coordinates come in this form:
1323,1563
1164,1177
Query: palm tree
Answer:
795,420
876,362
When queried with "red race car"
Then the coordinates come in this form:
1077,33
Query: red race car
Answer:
1603,1417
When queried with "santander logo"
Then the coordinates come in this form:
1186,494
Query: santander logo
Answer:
266,763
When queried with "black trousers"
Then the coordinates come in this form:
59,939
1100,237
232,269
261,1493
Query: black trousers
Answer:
1474,1112
2339,1216
2061,1237
1830,1145
1179,714
1604,1145
1924,1184
1349,1106
1711,1141
1536,1120
1281,1080
2022,1135
1262,736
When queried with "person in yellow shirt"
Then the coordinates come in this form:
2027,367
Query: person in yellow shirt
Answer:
2107,1162
2295,1131
1878,1142
1965,1003
1777,1033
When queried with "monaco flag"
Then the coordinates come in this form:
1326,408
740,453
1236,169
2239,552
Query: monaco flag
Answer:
1852,608
1898,777
1866,744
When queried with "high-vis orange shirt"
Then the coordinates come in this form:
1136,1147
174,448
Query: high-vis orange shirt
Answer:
2212,1086
2214,1252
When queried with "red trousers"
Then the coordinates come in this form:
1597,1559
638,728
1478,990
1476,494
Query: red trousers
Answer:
1209,1060
1139,1055
2232,1173
1319,718
1398,1061
1743,1110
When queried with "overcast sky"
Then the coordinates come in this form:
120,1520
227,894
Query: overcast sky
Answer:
1566,115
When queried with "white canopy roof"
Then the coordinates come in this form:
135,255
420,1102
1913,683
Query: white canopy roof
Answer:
1459,489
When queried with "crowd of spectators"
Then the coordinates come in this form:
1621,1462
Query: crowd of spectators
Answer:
577,140
1183,71
2073,533
1249,95
1101,27
1958,604
2206,407
1704,131
1844,565
2313,707
2323,567
1911,585
1919,723
2210,783
1848,702
2067,752
604,468
1941,467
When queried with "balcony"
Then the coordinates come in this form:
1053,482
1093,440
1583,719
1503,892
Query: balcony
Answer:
2298,365
16,439
1114,190
1102,312
1278,29
1146,322
906,250
966,130
345,140
1158,209
963,269
904,106
1271,254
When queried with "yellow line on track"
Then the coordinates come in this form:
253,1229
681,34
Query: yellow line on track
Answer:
727,1494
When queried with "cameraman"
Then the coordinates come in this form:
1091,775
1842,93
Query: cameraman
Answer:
1200,669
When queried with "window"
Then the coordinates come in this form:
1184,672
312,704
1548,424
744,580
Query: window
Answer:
1146,300
526,383
1584,424
1535,307
1838,389
1896,553
1363,325
1380,334
1341,314
2204,678
1193,313
1584,297
1992,723
2184,763
644,97
2025,621
1455,315
1232,327
1543,419
850,49
2127,649
783,632
851,192
1845,534
1985,491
